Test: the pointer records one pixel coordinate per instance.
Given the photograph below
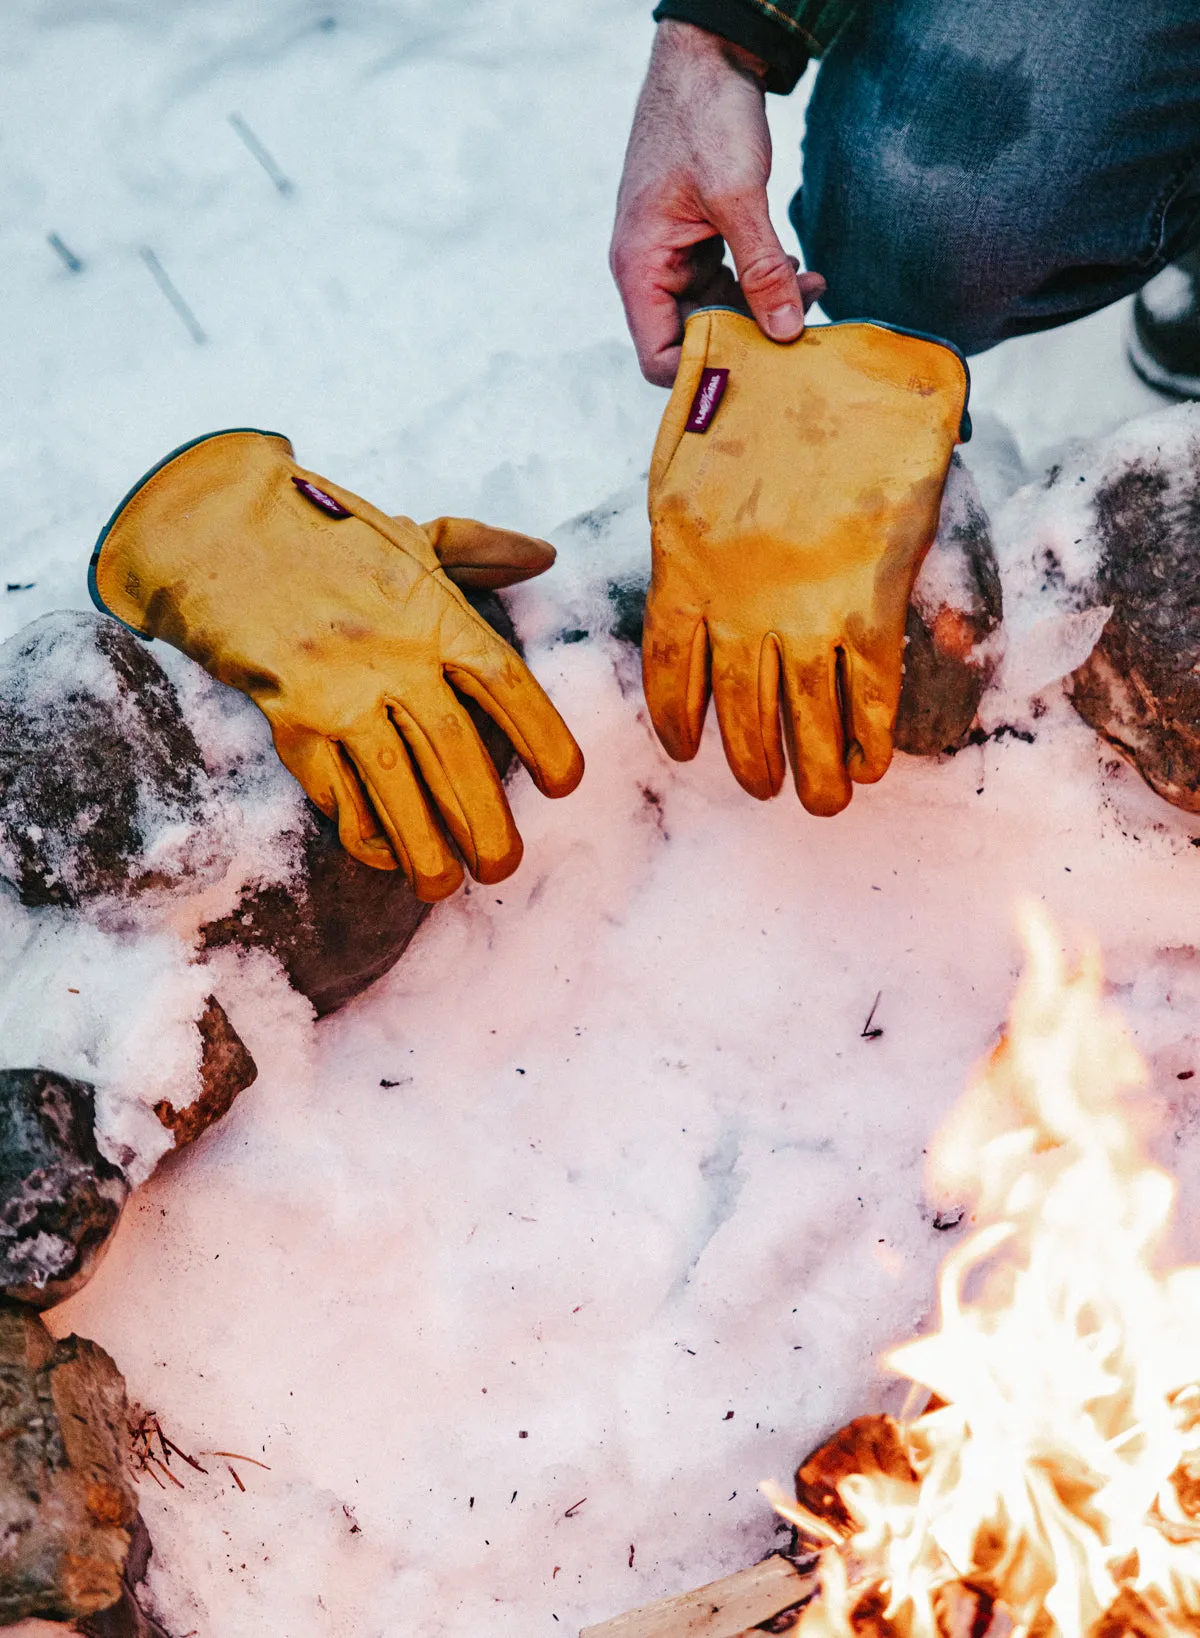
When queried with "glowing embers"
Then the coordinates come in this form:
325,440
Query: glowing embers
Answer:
1052,1484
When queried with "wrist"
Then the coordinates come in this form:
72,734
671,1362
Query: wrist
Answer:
674,37
746,36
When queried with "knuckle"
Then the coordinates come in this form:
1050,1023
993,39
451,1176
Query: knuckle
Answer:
763,270
735,198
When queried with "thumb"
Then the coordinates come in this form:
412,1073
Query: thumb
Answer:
765,272
481,558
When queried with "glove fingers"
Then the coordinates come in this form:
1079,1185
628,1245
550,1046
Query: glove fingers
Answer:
383,765
816,742
495,676
463,781
676,678
482,558
745,687
872,697
329,780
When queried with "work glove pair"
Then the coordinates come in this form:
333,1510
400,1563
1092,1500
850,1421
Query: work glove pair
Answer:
794,491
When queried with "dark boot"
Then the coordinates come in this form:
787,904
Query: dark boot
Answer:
1164,346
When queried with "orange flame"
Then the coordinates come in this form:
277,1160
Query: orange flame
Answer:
1058,1468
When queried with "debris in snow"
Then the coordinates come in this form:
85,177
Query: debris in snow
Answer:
265,158
164,282
69,259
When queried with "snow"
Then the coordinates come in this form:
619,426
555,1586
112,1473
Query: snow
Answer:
481,1265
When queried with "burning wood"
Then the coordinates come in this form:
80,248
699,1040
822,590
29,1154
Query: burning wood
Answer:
737,1606
1051,1486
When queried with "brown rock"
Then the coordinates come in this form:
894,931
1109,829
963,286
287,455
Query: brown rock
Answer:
955,607
226,1068
67,1504
1140,687
126,1618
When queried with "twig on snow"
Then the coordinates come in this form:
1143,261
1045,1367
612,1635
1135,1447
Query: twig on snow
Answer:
159,274
265,158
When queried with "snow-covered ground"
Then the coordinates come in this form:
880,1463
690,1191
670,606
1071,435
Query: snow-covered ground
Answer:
521,1272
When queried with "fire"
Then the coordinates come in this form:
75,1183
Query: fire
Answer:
1052,1484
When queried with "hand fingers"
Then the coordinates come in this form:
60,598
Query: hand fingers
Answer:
488,671
651,312
812,288
463,781
382,763
659,286
745,686
330,781
675,678
812,721
765,273
872,697
482,558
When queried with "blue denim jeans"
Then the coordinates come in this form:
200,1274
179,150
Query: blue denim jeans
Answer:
984,168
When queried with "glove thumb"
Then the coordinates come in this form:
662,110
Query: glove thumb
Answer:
481,558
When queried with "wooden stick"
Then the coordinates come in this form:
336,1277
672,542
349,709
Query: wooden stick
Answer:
729,1608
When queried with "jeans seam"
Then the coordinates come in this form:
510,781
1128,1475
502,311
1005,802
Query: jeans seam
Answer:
1159,218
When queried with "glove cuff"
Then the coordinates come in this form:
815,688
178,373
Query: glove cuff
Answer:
137,551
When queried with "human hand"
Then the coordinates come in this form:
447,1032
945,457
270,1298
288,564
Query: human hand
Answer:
695,180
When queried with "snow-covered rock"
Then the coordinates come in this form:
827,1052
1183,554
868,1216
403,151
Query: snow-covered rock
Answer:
60,1199
1140,686
1101,588
955,609
103,790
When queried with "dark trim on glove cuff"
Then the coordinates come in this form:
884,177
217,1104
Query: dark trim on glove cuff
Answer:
94,564
743,24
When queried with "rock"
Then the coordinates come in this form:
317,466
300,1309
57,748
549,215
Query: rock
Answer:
341,925
104,795
1140,687
126,1618
67,1504
955,608
97,765
226,1068
60,1200
336,929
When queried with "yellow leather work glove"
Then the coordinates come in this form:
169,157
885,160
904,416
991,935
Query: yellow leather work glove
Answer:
341,625
794,491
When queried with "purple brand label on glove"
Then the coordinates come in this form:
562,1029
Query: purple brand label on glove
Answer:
707,400
320,499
